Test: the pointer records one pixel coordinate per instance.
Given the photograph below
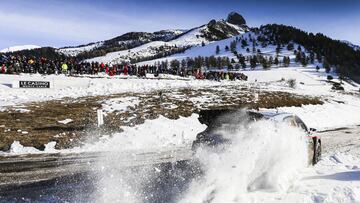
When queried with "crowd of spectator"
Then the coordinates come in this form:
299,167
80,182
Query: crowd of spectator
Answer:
32,65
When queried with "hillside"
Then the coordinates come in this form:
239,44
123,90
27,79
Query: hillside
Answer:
123,42
19,48
267,46
213,31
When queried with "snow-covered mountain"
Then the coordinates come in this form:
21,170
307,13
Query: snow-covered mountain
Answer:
19,48
205,34
143,46
210,50
123,42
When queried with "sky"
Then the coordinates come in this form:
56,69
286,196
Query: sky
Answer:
60,23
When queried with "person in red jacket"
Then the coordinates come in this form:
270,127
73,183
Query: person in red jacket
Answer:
126,69
107,70
102,67
3,68
199,75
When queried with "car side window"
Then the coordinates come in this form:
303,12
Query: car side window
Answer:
290,120
301,124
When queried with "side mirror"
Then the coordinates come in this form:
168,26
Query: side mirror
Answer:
312,130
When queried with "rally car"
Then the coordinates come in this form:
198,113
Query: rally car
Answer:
217,118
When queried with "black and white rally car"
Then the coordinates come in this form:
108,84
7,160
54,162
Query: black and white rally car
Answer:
217,118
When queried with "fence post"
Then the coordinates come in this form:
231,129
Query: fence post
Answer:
100,117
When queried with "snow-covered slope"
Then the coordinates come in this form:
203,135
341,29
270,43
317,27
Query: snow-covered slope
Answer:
73,51
354,46
145,50
123,42
193,38
207,50
19,48
205,34
210,50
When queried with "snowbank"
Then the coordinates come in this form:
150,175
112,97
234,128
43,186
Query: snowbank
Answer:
151,135
75,87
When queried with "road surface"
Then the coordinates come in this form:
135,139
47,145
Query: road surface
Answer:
72,177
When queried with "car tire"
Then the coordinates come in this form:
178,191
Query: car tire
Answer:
317,151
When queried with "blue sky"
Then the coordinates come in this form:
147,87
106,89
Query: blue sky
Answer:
64,22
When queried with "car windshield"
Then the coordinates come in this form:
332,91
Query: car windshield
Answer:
301,124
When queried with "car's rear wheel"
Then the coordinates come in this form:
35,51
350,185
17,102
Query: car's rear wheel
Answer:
317,151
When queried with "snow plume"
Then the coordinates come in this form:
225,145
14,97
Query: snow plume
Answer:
119,184
164,182
260,157
131,169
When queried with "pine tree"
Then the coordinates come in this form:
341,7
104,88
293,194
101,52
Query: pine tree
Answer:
278,49
253,62
175,64
183,64
244,43
312,57
226,48
233,46
299,48
276,61
206,62
326,65
286,61
304,61
298,57
212,61
254,47
265,63
290,46
271,60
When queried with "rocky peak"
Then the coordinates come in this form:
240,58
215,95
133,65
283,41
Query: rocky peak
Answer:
236,19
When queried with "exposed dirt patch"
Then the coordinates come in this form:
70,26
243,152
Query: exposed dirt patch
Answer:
37,124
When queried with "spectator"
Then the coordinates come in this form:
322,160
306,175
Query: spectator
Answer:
64,68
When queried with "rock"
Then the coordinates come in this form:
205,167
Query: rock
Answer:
337,86
211,23
236,19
